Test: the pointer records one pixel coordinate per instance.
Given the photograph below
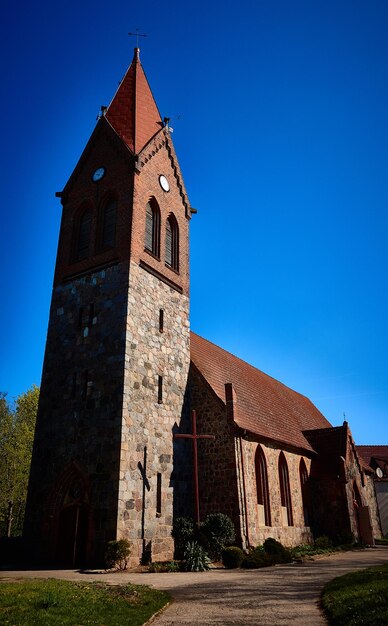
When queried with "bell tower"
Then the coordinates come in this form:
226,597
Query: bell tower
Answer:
118,347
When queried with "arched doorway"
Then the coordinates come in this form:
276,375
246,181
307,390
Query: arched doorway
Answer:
72,535
69,510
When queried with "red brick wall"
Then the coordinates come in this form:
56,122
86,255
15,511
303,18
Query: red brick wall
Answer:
104,149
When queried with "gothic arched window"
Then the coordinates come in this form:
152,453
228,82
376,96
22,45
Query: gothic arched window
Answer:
152,234
172,243
285,493
262,485
82,238
303,475
107,225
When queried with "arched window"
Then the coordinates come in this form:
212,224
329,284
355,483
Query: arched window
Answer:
172,243
152,234
262,487
82,239
285,493
107,226
303,475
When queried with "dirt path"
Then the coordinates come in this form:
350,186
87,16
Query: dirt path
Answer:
287,594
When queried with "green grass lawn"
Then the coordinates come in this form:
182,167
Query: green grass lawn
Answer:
46,602
358,598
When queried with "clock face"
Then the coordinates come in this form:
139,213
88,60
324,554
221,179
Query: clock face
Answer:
165,185
98,174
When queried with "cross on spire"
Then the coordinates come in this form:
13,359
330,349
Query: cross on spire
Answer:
194,437
137,35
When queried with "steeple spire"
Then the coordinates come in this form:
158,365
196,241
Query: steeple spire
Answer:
133,112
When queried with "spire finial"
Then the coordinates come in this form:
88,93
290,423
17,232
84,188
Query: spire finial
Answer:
137,35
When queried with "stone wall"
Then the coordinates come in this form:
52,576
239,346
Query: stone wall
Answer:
371,497
258,532
148,424
79,419
224,488
382,499
218,488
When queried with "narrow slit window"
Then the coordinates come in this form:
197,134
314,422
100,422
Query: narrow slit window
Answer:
85,383
285,492
262,486
161,320
74,385
159,495
160,389
304,484
80,316
91,313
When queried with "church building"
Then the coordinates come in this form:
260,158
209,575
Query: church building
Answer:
123,373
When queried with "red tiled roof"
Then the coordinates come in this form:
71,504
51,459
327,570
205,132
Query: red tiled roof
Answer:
133,112
265,406
375,452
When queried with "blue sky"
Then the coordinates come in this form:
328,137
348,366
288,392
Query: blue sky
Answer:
280,121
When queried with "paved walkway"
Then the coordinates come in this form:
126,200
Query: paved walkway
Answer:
287,594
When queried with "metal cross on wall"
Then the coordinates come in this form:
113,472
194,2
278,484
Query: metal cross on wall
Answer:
194,437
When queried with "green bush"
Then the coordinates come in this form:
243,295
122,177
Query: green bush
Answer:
183,532
117,554
172,566
343,539
278,553
232,557
219,532
196,559
155,568
323,542
257,558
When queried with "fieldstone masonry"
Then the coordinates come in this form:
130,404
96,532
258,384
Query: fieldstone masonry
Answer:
78,432
147,425
288,535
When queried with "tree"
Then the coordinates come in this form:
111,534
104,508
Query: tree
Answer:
17,426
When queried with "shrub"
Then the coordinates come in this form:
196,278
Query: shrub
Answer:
232,557
257,558
278,553
183,533
219,532
323,542
196,558
117,554
155,568
172,566
343,539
